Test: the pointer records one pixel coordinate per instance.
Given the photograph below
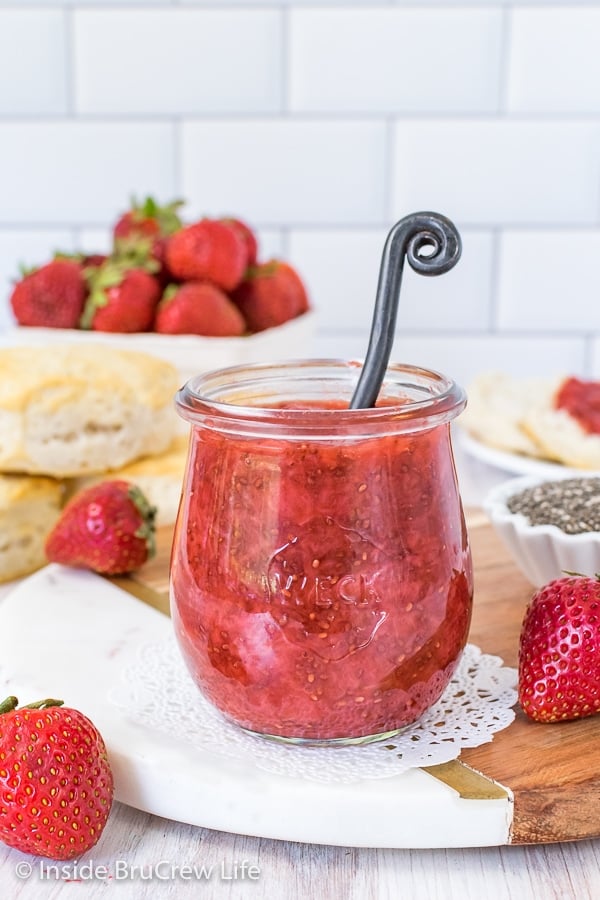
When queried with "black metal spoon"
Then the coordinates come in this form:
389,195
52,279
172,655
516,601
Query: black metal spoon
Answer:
410,237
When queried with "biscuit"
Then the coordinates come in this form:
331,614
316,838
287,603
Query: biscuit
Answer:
497,407
159,478
71,410
559,435
29,508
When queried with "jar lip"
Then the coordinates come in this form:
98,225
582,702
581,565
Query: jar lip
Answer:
203,394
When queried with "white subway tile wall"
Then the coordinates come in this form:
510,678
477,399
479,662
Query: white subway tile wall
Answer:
380,62
35,42
282,171
322,122
216,62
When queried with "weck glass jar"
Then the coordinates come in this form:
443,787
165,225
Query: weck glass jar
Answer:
321,580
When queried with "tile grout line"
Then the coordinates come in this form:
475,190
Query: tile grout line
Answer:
285,114
494,275
70,69
177,162
505,56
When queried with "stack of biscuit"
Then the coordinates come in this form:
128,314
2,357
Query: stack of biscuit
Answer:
521,415
73,413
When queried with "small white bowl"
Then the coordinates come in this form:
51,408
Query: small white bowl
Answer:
542,552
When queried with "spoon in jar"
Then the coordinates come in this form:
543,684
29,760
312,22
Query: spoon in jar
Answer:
432,245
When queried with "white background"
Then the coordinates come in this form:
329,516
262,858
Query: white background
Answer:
322,123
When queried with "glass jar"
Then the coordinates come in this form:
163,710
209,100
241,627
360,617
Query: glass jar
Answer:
321,579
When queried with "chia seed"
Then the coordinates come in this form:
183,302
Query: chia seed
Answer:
572,504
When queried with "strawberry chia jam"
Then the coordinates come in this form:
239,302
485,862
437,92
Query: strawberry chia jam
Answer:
321,581
581,399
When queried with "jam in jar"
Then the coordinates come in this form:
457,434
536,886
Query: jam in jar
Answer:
321,580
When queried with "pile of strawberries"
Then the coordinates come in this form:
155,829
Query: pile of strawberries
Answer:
164,276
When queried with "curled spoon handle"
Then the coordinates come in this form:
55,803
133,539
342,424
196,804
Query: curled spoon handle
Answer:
408,238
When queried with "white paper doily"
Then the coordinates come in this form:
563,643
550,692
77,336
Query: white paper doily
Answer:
159,693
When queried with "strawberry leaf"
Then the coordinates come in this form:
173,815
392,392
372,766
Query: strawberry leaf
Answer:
146,530
169,292
8,705
135,253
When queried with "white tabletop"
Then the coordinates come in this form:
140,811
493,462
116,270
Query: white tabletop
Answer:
140,855
144,857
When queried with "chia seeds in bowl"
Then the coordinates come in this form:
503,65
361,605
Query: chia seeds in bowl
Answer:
549,526
572,504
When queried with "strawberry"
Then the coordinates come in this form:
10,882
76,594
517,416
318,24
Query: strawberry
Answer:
248,235
147,228
148,220
93,260
56,783
85,260
121,299
51,296
198,307
108,527
559,651
208,250
270,294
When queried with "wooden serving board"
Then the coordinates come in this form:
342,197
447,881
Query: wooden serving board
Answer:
551,771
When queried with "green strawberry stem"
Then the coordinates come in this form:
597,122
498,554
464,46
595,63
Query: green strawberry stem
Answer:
99,281
169,292
167,216
12,703
25,270
135,253
266,269
568,572
62,254
112,273
44,704
146,530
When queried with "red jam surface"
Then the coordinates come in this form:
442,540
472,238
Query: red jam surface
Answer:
321,590
581,399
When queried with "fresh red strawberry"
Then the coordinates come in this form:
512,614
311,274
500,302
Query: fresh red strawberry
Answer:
270,294
51,296
108,528
121,299
559,651
56,783
198,307
93,260
84,260
148,220
208,250
148,227
249,237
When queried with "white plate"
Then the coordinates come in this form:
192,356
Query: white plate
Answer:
72,634
516,463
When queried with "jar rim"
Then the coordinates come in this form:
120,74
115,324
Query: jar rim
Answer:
237,393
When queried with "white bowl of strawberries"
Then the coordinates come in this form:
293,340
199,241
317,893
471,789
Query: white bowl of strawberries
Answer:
194,294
